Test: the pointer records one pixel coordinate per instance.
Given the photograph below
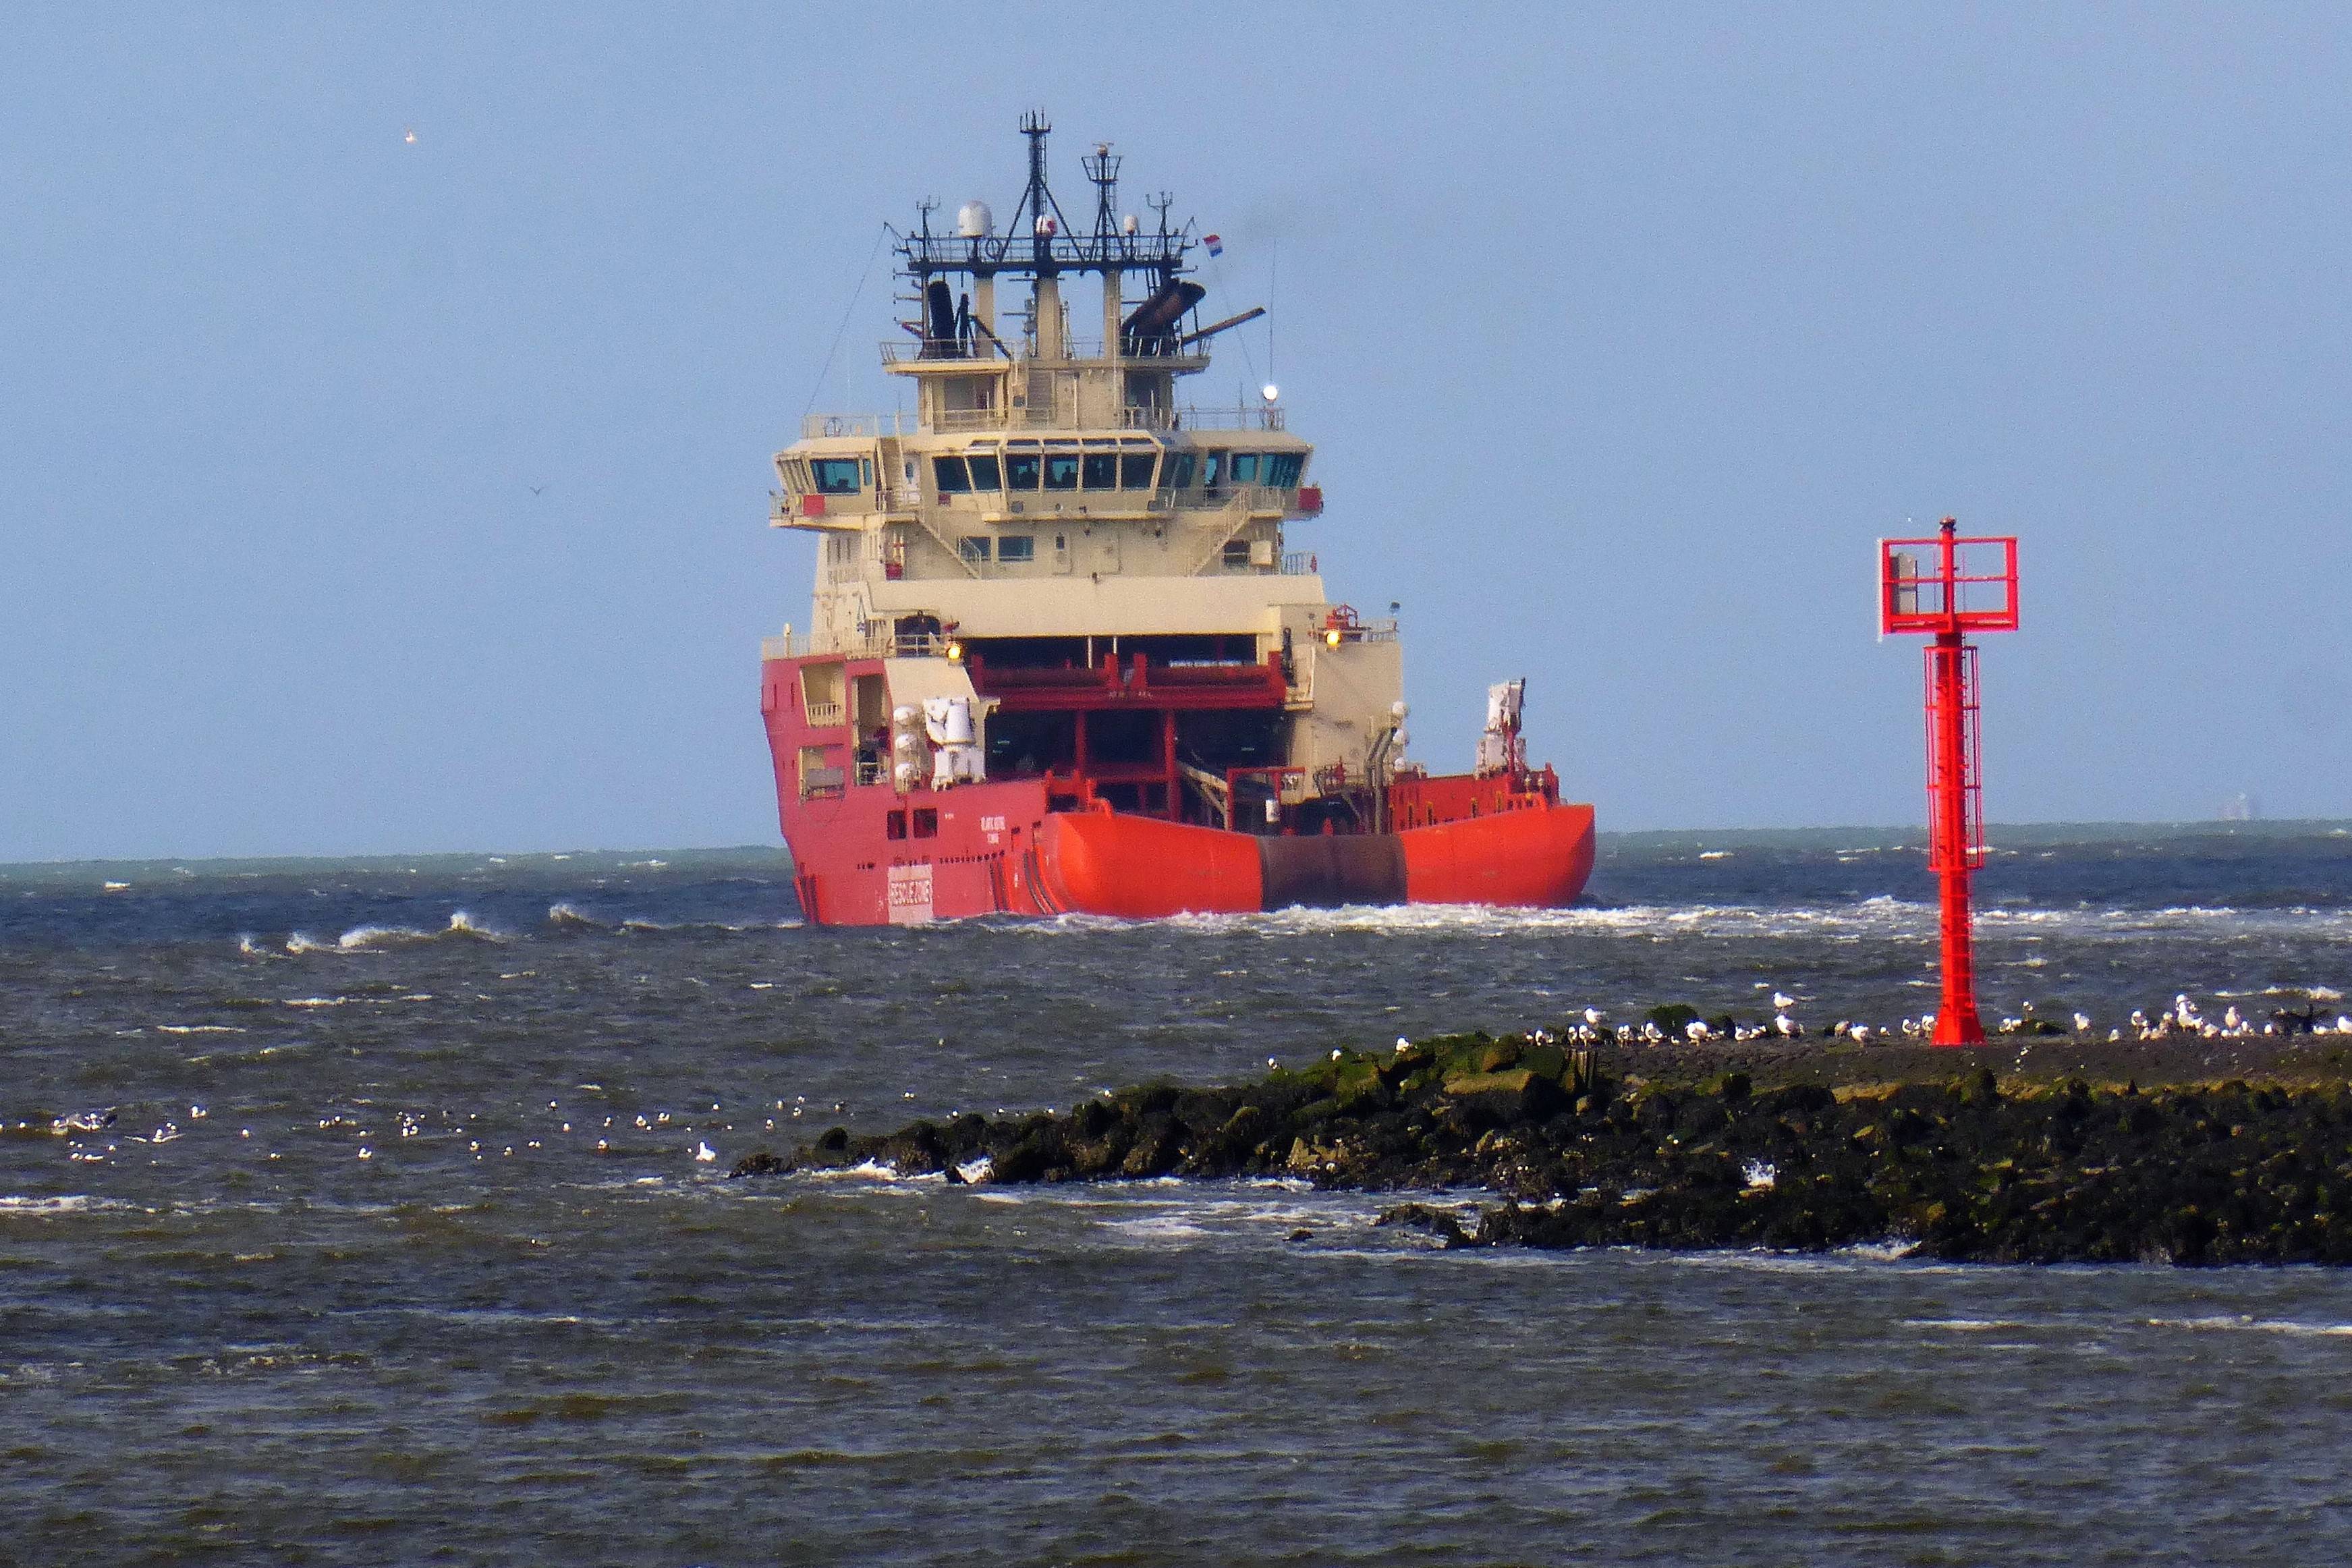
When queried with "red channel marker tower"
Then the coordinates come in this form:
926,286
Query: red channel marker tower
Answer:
1948,587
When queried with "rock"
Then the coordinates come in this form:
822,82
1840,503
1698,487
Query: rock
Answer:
2056,1169
1421,1217
1501,1055
1157,1150
1674,1019
760,1162
1487,1100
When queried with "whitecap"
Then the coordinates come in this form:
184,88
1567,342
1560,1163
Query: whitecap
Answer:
65,1203
359,939
2254,1325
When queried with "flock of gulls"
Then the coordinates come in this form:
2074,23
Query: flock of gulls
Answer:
2181,1021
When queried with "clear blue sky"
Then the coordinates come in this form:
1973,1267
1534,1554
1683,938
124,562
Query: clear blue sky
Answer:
1624,332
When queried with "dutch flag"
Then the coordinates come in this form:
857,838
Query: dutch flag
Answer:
1216,247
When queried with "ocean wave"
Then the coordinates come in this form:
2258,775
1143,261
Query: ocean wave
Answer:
462,927
567,917
2255,1326
1882,917
62,1203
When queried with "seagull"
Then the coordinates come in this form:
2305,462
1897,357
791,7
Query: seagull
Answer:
704,1153
1697,1031
409,137
2233,1020
1784,1023
1782,1000
536,489
1860,1034
2139,1020
2082,1023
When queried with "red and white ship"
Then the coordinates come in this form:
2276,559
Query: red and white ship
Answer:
1060,658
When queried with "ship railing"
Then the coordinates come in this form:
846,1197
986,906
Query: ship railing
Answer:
1242,416
1300,563
824,715
1367,631
1017,253
819,426
880,639
822,783
874,639
1059,416
916,350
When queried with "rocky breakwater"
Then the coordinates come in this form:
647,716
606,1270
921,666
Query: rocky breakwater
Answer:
1577,1150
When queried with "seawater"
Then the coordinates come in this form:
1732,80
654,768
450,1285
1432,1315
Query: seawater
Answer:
401,1246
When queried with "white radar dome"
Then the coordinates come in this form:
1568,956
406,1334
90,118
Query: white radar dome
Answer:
974,221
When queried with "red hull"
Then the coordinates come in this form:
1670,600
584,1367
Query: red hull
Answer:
864,854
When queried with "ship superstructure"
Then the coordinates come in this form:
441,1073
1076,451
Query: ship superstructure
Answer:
1061,655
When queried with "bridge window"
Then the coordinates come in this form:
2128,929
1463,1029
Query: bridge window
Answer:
1179,470
1101,471
1061,471
1208,461
983,471
835,475
1135,471
973,548
950,475
1017,547
1237,555
1282,468
894,825
1244,467
1021,470
927,822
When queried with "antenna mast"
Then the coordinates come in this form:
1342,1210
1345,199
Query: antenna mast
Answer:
1103,169
1037,198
